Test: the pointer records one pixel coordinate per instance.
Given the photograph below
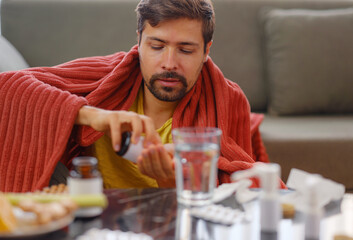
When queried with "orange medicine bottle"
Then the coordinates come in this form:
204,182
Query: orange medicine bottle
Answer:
85,179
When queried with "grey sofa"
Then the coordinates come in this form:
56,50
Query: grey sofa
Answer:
293,65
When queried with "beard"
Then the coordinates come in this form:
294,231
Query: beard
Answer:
167,94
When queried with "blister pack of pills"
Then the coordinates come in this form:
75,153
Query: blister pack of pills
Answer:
102,234
218,214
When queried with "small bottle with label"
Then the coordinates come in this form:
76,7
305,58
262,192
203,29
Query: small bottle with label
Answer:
85,179
312,210
270,207
128,150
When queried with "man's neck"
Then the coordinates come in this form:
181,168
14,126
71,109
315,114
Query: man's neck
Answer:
159,111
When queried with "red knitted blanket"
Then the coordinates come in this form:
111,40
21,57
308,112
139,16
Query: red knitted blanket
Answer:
38,107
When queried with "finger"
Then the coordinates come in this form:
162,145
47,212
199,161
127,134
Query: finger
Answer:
137,127
156,165
151,134
166,161
115,131
140,165
170,148
146,164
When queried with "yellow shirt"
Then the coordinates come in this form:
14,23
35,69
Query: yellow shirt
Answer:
118,172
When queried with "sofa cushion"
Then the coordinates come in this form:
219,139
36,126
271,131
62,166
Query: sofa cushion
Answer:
10,58
314,144
309,55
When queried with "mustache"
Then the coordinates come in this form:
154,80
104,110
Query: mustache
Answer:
162,75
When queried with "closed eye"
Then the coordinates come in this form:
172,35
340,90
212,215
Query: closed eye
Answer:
186,51
156,47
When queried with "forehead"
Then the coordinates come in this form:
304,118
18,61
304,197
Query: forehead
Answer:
178,30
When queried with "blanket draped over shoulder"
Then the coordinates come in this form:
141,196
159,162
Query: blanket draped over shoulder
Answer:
38,107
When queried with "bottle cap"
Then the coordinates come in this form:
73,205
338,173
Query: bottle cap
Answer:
125,143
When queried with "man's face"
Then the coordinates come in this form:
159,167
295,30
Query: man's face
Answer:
171,57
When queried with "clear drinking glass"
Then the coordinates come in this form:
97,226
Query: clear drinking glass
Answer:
196,156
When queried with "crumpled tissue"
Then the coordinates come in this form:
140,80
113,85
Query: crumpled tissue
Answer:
243,193
326,189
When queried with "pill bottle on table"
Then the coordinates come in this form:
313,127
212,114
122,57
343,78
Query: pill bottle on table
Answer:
85,178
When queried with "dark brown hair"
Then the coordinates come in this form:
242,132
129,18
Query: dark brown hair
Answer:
157,11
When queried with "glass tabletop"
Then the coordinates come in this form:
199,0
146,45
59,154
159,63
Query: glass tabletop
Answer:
156,213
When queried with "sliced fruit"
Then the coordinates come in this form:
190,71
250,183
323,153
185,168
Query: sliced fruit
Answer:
8,221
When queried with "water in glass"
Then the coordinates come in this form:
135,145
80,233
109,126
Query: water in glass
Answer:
196,165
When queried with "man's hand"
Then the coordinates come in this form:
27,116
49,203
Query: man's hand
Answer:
156,161
114,123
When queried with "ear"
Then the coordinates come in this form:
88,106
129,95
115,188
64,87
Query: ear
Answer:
138,38
208,46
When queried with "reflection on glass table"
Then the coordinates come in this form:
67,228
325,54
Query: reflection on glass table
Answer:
156,213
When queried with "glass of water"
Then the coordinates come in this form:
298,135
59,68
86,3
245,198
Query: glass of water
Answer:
196,156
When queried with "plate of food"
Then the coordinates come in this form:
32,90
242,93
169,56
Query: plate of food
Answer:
30,218
30,214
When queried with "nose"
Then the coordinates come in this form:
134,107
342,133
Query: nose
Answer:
169,61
